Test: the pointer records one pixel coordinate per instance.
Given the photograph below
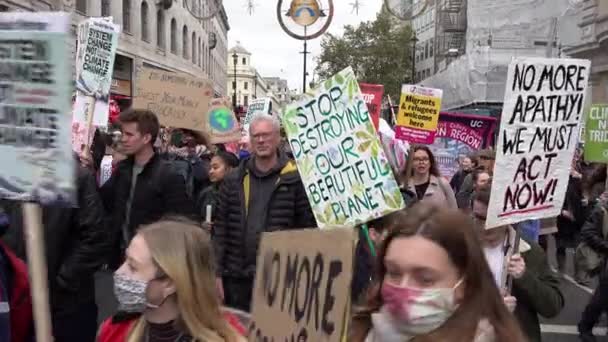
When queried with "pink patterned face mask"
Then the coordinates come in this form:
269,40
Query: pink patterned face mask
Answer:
418,311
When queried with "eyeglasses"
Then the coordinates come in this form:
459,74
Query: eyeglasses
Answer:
421,160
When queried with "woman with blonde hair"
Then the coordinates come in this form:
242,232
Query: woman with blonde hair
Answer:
166,289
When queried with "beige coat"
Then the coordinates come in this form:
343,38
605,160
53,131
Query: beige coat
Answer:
439,192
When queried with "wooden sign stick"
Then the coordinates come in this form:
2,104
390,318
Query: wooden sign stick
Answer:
36,261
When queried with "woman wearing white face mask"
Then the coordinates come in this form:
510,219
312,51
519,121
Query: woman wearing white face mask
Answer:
166,290
435,285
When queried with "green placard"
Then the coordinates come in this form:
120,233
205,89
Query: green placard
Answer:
596,134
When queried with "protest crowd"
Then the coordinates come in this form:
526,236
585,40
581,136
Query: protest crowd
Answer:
266,234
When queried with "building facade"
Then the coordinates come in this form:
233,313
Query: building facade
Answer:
594,46
280,88
151,36
244,82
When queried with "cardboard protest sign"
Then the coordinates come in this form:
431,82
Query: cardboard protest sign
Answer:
302,289
538,135
347,176
179,100
596,134
460,135
223,126
418,114
98,40
35,107
372,93
256,106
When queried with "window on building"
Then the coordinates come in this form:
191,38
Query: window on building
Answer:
174,36
160,29
245,100
200,62
246,85
244,61
185,42
233,85
193,46
204,57
431,47
426,49
145,36
81,6
126,15
105,8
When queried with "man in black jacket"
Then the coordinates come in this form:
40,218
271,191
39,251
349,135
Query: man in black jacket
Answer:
264,194
144,187
76,243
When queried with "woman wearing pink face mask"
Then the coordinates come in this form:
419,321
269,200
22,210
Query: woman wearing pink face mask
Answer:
435,285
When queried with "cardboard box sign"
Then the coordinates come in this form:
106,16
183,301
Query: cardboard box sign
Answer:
302,286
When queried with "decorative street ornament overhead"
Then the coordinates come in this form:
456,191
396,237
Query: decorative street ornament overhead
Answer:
304,12
309,14
406,9
200,12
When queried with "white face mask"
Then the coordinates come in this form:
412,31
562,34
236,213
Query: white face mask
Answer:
418,311
131,294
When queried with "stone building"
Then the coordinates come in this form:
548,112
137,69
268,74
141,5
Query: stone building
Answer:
169,39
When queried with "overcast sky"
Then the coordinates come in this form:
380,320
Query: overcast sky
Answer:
274,53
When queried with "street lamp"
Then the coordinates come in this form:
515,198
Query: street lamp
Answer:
235,59
414,41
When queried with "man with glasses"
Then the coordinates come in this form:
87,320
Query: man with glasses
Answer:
265,193
535,290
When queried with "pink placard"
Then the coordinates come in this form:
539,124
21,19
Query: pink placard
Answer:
415,136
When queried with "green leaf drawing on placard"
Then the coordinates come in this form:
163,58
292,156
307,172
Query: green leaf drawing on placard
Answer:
363,135
397,197
390,202
369,126
358,189
327,84
364,146
375,149
321,217
329,214
289,119
307,167
339,79
350,90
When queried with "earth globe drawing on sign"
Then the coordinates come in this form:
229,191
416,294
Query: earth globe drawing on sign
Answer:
304,12
222,120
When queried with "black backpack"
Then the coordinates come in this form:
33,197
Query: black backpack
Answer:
183,167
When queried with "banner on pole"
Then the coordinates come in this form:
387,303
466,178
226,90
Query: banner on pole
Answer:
596,134
418,114
35,106
301,290
372,94
347,176
460,135
98,40
539,129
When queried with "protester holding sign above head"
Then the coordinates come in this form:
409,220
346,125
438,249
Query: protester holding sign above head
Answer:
535,288
144,187
426,181
166,289
265,193
434,284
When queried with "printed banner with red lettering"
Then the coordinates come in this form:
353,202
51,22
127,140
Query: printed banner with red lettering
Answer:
418,114
372,95
459,135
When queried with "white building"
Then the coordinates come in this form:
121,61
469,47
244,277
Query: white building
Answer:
151,36
244,82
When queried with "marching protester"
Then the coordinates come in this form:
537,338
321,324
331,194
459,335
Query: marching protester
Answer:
144,187
76,244
433,284
222,163
166,289
426,181
485,162
535,287
467,165
265,193
594,234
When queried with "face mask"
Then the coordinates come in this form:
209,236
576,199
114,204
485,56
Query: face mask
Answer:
418,311
131,294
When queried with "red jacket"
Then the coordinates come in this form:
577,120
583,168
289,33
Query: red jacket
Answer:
116,330
20,302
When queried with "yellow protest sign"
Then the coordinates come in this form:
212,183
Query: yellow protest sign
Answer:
418,114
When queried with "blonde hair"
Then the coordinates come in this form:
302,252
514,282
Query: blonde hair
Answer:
182,251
